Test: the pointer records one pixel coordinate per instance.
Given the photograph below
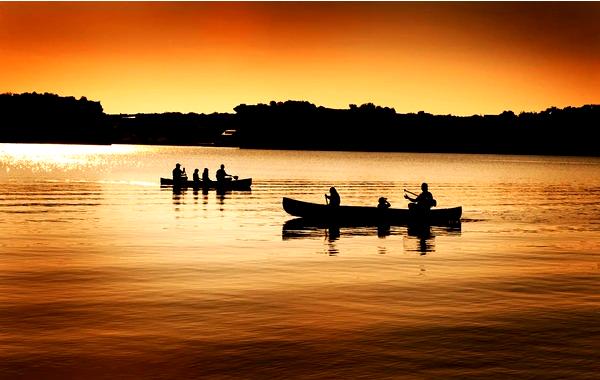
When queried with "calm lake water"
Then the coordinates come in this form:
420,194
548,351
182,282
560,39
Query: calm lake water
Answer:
104,274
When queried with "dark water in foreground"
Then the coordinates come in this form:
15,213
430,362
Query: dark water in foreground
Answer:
103,274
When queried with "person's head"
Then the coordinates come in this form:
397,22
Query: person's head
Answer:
177,165
196,170
382,199
332,190
205,170
222,166
424,186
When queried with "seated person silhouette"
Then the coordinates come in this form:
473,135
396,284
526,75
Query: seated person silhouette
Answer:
178,174
333,199
205,177
196,176
423,201
222,175
383,203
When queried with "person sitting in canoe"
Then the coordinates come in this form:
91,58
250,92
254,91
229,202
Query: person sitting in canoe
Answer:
196,176
205,178
383,203
333,199
178,174
424,200
222,175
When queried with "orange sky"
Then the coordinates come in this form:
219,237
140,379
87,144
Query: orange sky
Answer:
467,58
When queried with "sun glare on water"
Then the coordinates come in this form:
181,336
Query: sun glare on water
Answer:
52,157
59,153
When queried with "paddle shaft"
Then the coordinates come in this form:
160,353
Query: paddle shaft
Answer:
410,192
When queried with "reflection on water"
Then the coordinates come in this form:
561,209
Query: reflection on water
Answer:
300,228
204,191
383,231
417,238
331,235
426,241
425,238
179,195
425,235
103,274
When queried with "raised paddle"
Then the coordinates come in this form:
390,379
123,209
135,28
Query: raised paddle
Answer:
410,192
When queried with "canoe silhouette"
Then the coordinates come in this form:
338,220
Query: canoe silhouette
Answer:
365,215
234,184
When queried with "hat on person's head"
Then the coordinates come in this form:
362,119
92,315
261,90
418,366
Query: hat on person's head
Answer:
178,164
382,199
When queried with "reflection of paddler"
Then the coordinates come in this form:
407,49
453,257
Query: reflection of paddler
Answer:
425,236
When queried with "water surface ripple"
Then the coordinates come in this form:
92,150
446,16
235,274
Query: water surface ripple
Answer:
106,275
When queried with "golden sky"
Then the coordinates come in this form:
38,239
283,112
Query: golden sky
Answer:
459,58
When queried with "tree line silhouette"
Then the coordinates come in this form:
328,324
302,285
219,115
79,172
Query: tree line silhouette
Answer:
302,125
32,118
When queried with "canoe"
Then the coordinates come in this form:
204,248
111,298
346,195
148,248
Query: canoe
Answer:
364,215
236,184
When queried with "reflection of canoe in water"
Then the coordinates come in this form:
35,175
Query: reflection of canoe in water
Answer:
235,184
363,215
306,228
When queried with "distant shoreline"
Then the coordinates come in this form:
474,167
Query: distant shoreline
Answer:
314,150
300,125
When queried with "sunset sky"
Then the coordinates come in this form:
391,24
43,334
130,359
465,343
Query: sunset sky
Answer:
459,58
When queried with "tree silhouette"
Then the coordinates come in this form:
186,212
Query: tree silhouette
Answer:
293,124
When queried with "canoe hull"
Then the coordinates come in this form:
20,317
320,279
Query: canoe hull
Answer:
362,215
240,184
